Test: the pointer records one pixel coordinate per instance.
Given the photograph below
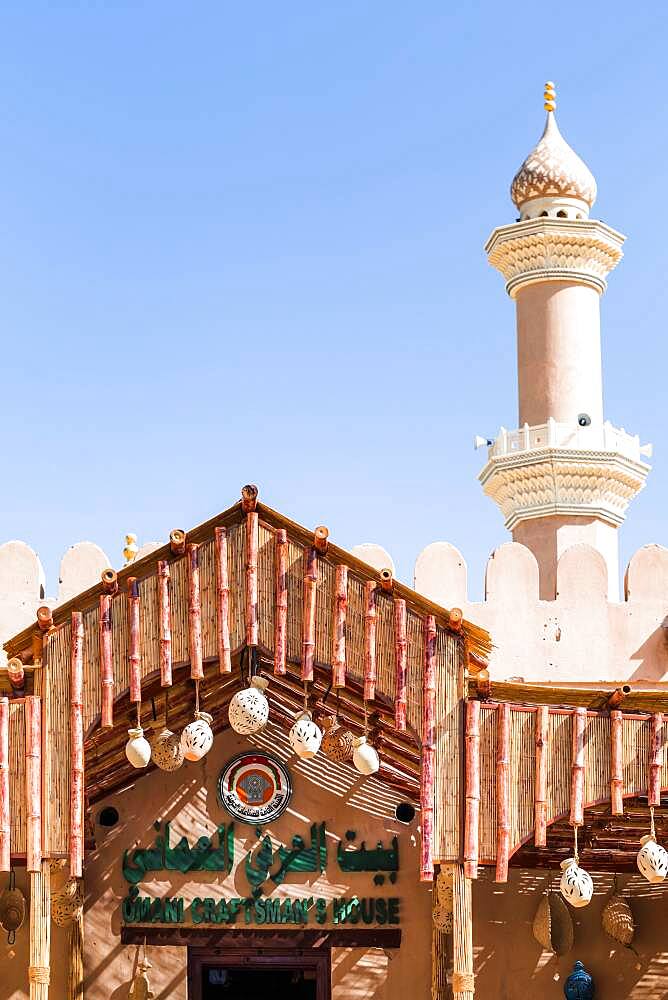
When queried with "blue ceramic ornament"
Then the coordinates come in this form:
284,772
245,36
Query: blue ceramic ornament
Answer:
579,985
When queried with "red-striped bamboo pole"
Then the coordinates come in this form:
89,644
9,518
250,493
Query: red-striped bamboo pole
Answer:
578,767
655,759
194,614
616,764
502,791
106,663
308,630
463,981
16,673
339,638
472,808
33,775
320,539
134,640
5,811
164,624
428,750
281,610
109,578
369,640
249,498
222,601
76,747
540,788
177,542
252,545
400,659
386,577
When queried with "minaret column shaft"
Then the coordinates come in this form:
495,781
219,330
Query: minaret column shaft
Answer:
559,353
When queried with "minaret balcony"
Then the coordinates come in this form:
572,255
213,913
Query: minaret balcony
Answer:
565,469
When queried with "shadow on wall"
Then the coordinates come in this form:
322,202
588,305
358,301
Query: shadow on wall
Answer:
510,964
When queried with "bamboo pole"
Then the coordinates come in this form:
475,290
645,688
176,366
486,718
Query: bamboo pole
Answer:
578,767
76,746
369,640
655,759
194,613
320,539
105,633
455,620
400,657
222,601
33,777
281,613
134,648
308,631
109,578
339,636
472,808
617,697
428,750
249,498
16,673
502,791
5,810
252,544
540,789
165,624
616,763
76,962
463,982
39,971
387,579
177,542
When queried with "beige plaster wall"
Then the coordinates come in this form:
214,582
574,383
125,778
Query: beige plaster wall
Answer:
549,538
510,964
335,794
558,352
14,959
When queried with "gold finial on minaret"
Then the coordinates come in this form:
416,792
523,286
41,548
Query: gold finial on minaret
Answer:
131,548
550,96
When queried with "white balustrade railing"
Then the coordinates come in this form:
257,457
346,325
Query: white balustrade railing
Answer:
553,434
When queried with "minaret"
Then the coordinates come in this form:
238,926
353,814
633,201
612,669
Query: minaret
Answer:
566,475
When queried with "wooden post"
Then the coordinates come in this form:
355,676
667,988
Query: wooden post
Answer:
472,807
369,640
320,536
177,542
502,791
106,663
249,498
252,545
281,607
39,971
428,750
164,624
617,697
222,601
16,673
463,983
109,578
577,767
5,811
33,776
400,654
76,746
655,759
616,764
308,631
194,614
540,789
387,579
134,647
339,638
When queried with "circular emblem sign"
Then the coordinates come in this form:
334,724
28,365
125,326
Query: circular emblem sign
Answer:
254,787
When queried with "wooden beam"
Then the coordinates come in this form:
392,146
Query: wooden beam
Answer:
320,536
177,542
249,498
616,698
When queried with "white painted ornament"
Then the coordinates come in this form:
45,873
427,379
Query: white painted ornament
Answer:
138,748
365,757
197,737
249,709
652,860
305,737
576,884
166,750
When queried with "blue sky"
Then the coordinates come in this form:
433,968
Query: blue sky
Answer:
243,242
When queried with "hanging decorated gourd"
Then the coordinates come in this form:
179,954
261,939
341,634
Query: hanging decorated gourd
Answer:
12,909
138,748
617,919
337,742
652,859
365,757
166,750
197,737
305,737
553,925
576,884
249,709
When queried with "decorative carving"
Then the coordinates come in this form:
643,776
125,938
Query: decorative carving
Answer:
553,168
67,902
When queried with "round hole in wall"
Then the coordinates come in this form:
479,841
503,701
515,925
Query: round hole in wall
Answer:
108,816
405,812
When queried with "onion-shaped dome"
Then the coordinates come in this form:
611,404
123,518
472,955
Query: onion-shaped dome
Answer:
553,178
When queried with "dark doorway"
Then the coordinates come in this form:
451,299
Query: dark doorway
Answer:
240,975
